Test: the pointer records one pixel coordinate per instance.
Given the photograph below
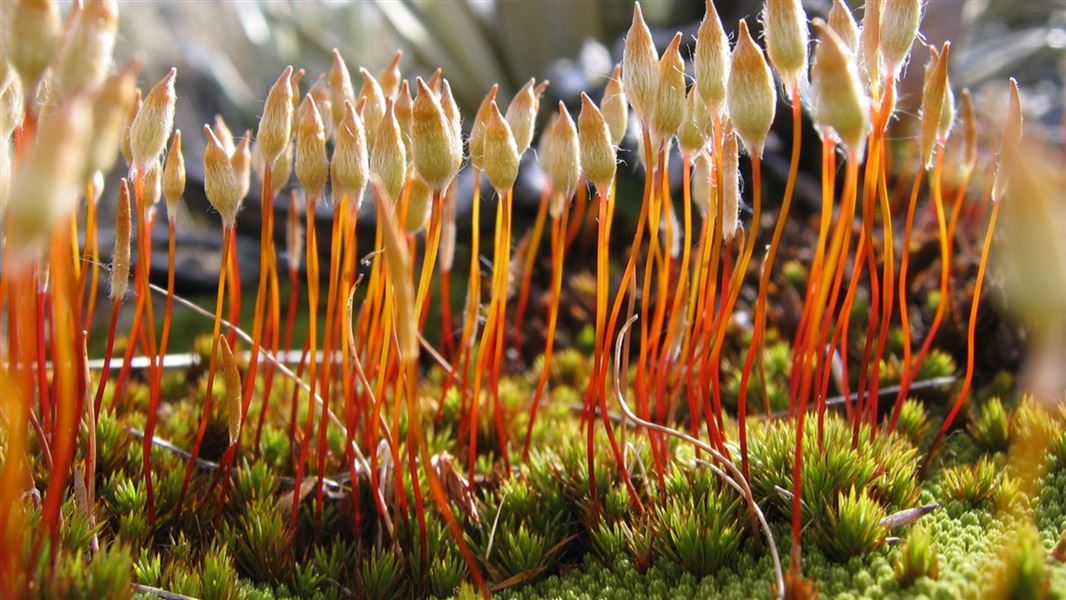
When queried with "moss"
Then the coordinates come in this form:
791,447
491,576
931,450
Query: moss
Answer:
260,542
184,580
834,468
932,300
148,570
777,363
586,340
913,421
381,576
1019,571
700,533
936,364
794,272
218,577
332,561
990,426
692,539
917,557
446,574
852,528
973,484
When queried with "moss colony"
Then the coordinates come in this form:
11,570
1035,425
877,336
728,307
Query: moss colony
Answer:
987,528
708,426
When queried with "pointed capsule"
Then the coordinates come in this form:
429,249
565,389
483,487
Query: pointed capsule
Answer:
561,156
44,190
153,185
947,115
224,135
85,56
450,108
44,100
404,109
174,176
419,204
32,31
615,107
127,123
110,109
340,88
670,97
933,93
899,27
391,76
455,124
431,139
398,268
350,167
969,122
11,108
692,136
1012,137
751,95
703,188
375,104
434,81
701,115
97,181
220,182
275,126
151,128
841,105
730,188
786,40
294,236
545,153
152,189
319,92
258,164
294,91
7,74
446,252
501,152
388,160
522,116
231,376
120,253
870,40
640,66
597,151
842,22
539,91
5,174
312,166
711,60
282,172
241,159
477,131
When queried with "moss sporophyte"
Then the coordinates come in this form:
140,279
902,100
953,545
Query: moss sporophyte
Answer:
600,415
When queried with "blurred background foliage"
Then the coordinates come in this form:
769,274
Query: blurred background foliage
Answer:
230,52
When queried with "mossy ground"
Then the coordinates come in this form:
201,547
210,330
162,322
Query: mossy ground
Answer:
1001,508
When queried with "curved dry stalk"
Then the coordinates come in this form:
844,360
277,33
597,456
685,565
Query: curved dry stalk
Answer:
736,481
